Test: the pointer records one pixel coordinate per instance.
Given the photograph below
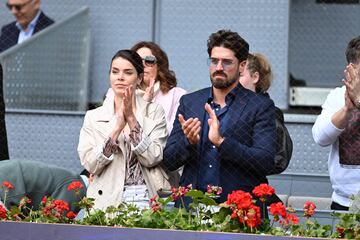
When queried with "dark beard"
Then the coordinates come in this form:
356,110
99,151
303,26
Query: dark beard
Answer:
220,84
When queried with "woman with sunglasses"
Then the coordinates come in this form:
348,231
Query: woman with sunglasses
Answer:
122,142
159,83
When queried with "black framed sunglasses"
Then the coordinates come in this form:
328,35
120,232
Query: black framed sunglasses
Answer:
17,7
149,60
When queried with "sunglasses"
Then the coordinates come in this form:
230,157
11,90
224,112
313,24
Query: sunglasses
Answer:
149,61
18,7
225,63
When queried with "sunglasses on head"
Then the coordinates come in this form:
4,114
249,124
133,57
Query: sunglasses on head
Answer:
17,7
149,60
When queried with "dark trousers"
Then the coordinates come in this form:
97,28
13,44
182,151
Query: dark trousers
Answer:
336,206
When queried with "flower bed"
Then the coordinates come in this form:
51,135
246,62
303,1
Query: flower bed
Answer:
239,214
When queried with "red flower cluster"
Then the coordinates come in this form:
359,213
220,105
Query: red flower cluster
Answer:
309,209
76,186
154,204
262,191
71,215
56,208
214,190
2,212
180,192
290,219
244,208
278,209
7,185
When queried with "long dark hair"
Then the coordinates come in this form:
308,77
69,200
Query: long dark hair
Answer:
165,76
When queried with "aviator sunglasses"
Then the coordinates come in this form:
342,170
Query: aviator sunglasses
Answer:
149,60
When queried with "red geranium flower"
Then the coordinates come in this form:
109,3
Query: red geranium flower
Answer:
44,200
8,185
309,209
241,199
278,209
180,191
76,185
253,217
71,215
293,219
262,191
2,212
60,205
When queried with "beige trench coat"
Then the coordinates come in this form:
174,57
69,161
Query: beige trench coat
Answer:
109,173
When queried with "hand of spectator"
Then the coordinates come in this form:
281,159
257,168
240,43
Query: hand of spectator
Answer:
352,83
120,122
149,92
191,128
128,107
214,127
349,105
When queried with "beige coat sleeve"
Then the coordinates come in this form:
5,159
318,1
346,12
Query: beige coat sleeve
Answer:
90,148
150,150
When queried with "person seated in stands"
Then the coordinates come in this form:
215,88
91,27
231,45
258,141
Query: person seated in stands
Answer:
338,126
257,77
159,83
4,152
121,143
224,135
29,20
36,180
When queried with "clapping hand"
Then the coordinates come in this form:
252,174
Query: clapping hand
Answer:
128,107
352,83
149,91
191,128
214,127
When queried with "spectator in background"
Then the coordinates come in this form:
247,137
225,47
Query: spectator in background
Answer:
36,180
338,126
4,152
257,77
29,20
121,143
225,134
159,83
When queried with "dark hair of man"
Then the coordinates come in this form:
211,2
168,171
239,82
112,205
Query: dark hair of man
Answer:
353,50
165,76
132,56
230,40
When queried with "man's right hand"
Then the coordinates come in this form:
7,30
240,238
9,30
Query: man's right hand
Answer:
352,83
191,128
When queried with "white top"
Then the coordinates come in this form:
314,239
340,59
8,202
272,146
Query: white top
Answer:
345,180
27,33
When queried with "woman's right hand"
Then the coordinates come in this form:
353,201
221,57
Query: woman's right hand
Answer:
149,91
120,122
